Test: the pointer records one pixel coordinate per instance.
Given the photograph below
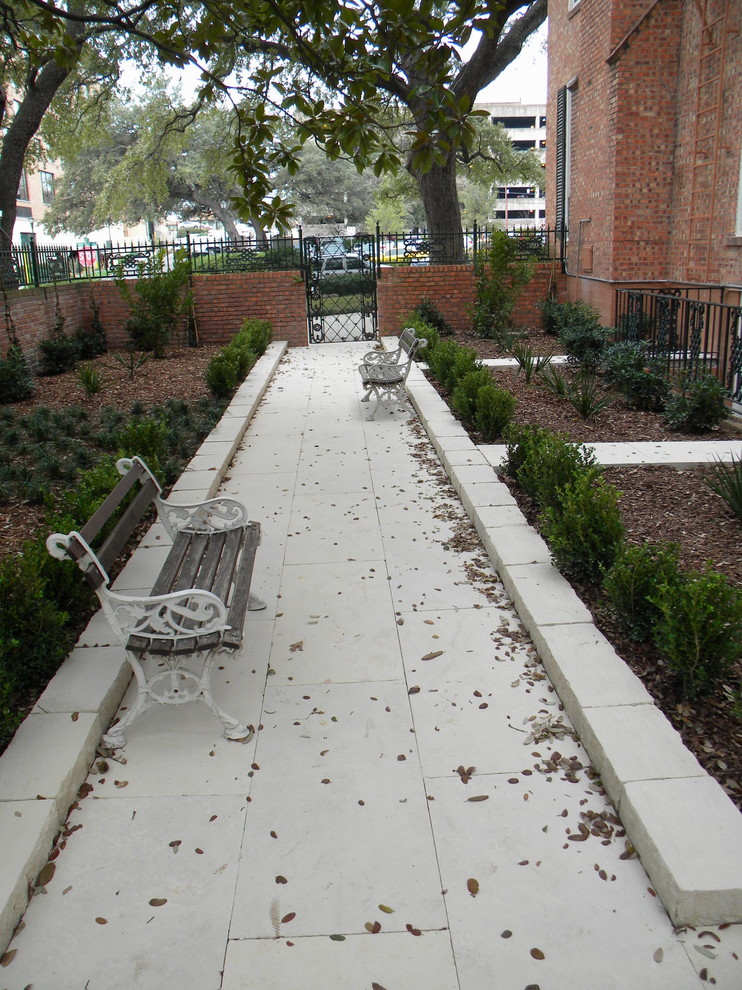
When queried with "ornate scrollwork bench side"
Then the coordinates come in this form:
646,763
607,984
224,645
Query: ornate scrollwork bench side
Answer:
384,374
198,603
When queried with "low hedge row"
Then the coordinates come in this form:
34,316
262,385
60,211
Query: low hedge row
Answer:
231,365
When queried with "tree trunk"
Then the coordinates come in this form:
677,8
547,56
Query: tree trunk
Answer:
442,211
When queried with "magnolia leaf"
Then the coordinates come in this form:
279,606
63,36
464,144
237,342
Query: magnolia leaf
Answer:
432,656
472,886
158,901
709,953
8,958
658,955
337,938
288,917
537,954
46,875
479,797
101,921
386,909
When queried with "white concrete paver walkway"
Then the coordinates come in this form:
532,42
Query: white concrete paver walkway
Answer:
391,825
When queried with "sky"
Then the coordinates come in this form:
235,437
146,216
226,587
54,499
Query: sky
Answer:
524,79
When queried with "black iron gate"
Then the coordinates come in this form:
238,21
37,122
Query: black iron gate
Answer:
340,277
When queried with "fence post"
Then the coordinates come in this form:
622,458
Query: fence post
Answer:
35,261
378,250
475,240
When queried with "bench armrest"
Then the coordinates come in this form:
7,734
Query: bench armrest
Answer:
178,616
211,516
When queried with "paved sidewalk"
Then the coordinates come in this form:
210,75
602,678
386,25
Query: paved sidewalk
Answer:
397,821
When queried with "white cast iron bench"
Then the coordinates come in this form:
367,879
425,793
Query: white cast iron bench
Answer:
384,373
198,603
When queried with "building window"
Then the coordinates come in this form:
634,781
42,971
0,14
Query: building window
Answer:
47,187
23,187
515,122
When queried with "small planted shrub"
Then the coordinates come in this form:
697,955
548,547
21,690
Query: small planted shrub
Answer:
223,374
698,406
465,394
495,408
255,335
131,360
427,311
500,277
90,378
639,378
726,481
16,381
465,361
159,301
633,579
585,531
423,329
554,381
549,309
543,463
529,364
699,629
230,366
586,394
584,343
58,354
441,359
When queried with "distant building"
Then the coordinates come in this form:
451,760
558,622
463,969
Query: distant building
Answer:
525,124
35,195
644,164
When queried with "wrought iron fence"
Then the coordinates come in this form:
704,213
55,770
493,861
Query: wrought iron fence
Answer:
38,264
690,334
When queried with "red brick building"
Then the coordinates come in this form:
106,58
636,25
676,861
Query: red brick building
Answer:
645,167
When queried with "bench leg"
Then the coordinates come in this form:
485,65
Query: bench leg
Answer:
175,685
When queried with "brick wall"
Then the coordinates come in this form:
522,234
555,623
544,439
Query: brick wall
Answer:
223,301
221,304
453,290
655,142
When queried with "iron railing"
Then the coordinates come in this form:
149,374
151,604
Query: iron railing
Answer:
39,264
690,334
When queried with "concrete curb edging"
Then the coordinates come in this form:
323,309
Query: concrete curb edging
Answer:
686,830
49,757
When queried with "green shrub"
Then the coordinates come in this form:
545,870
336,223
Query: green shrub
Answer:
549,310
464,395
427,311
145,438
465,361
256,334
34,638
58,354
585,531
583,338
529,363
544,463
90,378
161,298
16,382
423,329
698,406
554,380
91,488
90,344
634,577
222,374
726,481
586,395
495,408
699,628
640,378
500,277
441,359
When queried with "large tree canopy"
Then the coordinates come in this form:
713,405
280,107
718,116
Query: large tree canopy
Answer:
400,93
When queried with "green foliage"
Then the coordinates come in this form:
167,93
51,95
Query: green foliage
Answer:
229,367
495,408
529,363
131,360
16,382
639,378
699,628
256,334
586,395
583,338
698,406
146,438
544,463
58,354
549,309
632,581
81,501
554,381
465,394
585,531
500,277
726,481
449,362
423,329
34,638
427,310
90,378
160,300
